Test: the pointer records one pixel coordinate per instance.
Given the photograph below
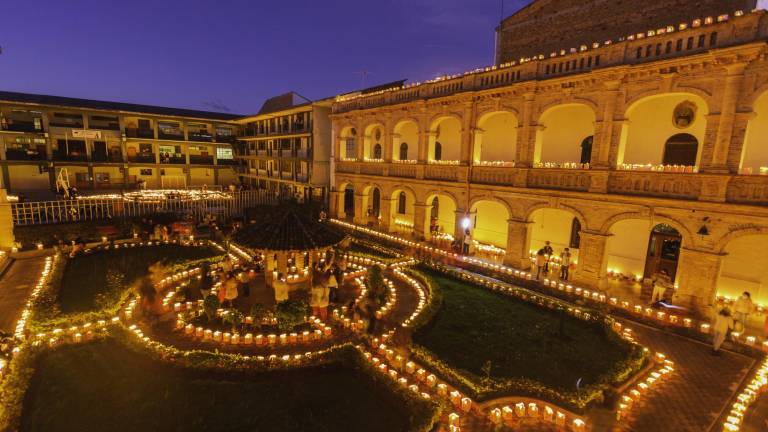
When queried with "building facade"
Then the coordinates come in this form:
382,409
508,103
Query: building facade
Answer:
642,153
104,146
287,147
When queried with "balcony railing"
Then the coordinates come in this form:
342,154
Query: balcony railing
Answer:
201,160
22,126
170,135
230,139
100,156
178,160
70,157
104,126
227,162
19,154
200,136
140,133
142,158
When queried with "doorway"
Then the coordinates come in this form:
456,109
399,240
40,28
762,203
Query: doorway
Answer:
349,202
663,251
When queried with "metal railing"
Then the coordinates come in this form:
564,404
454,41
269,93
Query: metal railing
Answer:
87,209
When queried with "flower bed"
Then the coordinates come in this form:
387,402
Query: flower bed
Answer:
490,345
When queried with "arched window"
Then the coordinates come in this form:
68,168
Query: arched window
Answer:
401,203
586,150
681,149
376,205
435,208
438,151
404,151
349,201
377,151
575,234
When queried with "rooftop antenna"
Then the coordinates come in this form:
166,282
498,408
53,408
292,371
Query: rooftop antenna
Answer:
363,77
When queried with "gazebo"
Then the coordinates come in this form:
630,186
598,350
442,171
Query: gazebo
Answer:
289,239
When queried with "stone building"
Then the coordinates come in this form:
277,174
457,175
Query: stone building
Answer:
642,152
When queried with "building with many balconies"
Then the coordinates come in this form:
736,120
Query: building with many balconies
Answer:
287,147
641,151
110,145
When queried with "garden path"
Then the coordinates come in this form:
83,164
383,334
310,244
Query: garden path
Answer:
15,286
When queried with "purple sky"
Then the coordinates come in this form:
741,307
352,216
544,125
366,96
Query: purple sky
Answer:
232,54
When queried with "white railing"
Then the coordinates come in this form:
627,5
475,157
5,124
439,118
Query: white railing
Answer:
85,209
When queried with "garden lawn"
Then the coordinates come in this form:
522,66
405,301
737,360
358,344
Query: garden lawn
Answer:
521,340
105,386
94,281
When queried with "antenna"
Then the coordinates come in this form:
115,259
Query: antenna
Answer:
363,77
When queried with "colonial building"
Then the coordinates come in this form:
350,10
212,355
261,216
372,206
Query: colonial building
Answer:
108,145
288,147
641,147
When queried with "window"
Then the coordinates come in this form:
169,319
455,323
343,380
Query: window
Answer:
401,203
681,149
145,171
679,45
575,234
702,40
351,150
669,48
438,151
435,208
689,45
713,39
376,206
586,150
404,151
377,151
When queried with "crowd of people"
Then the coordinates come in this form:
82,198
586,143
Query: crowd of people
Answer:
544,260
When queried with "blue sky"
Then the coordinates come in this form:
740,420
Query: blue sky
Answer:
232,54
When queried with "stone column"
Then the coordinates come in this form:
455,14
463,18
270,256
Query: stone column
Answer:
419,219
361,213
526,138
601,145
731,86
592,258
738,140
477,145
697,274
335,209
466,133
518,241
386,214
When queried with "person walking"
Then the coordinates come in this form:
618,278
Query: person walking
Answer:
565,262
230,287
723,324
548,252
743,307
541,262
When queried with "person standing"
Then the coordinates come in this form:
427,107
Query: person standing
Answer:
548,252
541,262
467,242
281,288
743,307
230,287
565,262
723,324
660,284
245,283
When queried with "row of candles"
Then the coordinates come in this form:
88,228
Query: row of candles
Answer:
746,398
659,168
596,296
526,410
48,268
161,195
633,395
562,165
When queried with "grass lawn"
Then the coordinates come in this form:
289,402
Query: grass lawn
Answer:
520,340
93,281
106,386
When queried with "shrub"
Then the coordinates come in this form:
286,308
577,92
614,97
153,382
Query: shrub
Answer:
210,305
291,313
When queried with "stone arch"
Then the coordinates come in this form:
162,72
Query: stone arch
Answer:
655,218
346,205
445,130
489,221
370,139
560,225
488,197
754,153
495,137
562,129
445,213
406,131
368,198
704,95
744,265
565,207
348,141
651,122
723,241
402,209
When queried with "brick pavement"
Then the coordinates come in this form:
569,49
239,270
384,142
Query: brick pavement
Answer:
15,287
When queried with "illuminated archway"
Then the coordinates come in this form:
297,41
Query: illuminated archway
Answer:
562,130
754,155
445,140
745,268
442,208
348,143
654,120
561,228
346,201
405,141
489,223
373,142
402,211
496,138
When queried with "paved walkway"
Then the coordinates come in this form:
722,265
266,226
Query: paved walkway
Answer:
15,287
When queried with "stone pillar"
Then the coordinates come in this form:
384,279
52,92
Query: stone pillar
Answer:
604,130
419,220
518,241
697,274
361,213
425,140
336,210
592,258
458,229
466,133
7,238
526,138
738,140
477,145
731,86
386,214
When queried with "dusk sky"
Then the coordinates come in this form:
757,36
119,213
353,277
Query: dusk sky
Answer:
229,55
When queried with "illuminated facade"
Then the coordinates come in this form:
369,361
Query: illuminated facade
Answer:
287,147
111,146
641,153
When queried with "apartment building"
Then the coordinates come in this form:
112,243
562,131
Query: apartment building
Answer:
287,147
640,150
104,146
